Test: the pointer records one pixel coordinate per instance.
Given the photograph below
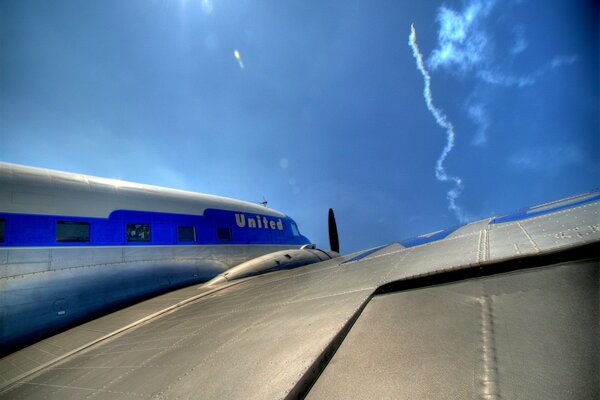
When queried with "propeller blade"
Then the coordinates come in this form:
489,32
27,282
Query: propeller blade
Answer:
334,241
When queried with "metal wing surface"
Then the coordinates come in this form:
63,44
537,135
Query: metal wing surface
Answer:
502,308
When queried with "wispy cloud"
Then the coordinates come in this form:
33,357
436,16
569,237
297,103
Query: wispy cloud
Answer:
465,45
478,114
462,42
442,121
548,158
561,61
494,76
520,44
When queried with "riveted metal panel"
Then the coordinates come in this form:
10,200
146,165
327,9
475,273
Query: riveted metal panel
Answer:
529,334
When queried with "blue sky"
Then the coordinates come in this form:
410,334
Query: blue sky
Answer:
324,107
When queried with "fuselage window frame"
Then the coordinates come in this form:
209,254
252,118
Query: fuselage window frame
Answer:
295,230
73,232
138,233
186,234
224,234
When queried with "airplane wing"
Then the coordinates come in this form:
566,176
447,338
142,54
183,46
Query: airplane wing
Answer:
501,308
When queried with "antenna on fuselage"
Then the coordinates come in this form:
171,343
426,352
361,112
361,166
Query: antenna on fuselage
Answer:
264,202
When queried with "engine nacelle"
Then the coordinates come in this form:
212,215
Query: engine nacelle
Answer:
284,259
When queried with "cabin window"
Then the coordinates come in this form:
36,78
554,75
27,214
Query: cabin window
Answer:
1,231
186,233
295,230
224,234
138,233
69,231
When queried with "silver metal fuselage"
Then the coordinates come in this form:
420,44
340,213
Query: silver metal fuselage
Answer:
47,285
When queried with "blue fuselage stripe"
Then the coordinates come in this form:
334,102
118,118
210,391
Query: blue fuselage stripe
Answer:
365,254
516,216
40,230
531,212
419,240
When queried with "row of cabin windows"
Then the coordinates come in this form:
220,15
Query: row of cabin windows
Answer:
70,231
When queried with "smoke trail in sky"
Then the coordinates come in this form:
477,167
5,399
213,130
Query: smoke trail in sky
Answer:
442,120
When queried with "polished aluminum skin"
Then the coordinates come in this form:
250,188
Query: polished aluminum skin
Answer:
493,311
44,191
285,259
47,288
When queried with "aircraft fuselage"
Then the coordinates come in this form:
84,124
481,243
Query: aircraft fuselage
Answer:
73,246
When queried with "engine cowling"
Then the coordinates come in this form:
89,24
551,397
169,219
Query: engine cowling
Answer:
284,259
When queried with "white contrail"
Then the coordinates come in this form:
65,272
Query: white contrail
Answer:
442,120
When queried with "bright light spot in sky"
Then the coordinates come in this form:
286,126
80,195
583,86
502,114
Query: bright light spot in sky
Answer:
283,163
238,57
